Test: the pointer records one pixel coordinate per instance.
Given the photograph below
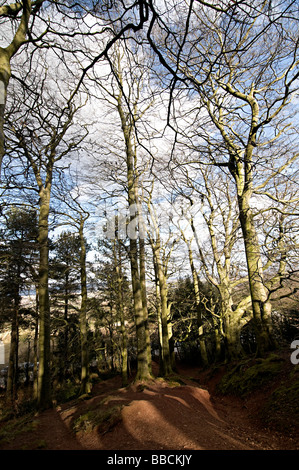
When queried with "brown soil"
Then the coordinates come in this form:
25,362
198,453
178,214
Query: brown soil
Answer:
155,416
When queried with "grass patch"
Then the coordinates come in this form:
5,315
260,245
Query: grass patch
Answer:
103,419
248,376
175,381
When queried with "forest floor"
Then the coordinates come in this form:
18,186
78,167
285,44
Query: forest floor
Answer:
183,414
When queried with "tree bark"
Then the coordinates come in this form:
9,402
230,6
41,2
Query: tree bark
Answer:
12,375
144,298
165,363
85,386
5,57
261,305
120,307
143,366
203,350
35,348
44,396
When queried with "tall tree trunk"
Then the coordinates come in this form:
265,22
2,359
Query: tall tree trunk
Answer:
158,307
120,305
203,350
143,366
35,349
12,376
232,320
232,325
124,347
65,354
143,370
85,386
217,336
261,305
44,397
165,363
144,298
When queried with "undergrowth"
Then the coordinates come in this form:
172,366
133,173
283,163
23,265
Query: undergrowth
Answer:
247,376
103,419
276,379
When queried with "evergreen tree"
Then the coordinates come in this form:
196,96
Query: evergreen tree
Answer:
18,249
65,288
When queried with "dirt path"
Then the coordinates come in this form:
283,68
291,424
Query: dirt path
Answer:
155,417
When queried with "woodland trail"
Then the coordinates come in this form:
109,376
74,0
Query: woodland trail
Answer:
157,416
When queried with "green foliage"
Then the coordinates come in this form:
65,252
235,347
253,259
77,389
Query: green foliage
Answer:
102,418
18,250
67,391
246,377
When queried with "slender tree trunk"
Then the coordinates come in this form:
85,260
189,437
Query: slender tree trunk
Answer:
261,305
203,351
64,356
120,302
158,307
143,370
217,335
35,349
144,299
143,367
85,386
44,396
124,348
171,342
11,389
165,363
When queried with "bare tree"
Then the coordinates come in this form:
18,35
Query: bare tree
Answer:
35,22
244,84
48,138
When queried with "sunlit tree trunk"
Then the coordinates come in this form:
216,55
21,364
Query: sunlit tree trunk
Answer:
44,373
165,365
121,313
35,347
85,386
158,308
6,55
201,333
144,298
143,368
12,375
261,305
141,321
